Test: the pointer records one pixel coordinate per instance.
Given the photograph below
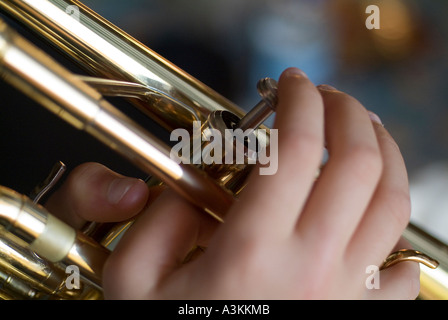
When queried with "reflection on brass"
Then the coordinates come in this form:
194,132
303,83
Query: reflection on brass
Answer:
409,255
433,282
72,99
50,181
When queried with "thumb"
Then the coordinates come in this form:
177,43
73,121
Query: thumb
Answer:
93,192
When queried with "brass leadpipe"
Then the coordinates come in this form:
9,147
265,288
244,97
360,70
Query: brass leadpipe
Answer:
106,51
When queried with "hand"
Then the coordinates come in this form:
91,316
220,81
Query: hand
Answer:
289,236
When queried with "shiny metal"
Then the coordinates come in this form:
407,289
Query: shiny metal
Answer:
49,237
409,255
433,282
267,88
73,100
16,287
50,181
46,279
145,93
106,51
121,66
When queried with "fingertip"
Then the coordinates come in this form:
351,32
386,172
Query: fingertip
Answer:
375,118
296,93
110,197
293,72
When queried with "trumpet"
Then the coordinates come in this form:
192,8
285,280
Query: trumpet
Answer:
36,247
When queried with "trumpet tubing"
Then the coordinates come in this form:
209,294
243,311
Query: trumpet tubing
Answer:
35,247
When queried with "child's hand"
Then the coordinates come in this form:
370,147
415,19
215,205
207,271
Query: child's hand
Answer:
289,236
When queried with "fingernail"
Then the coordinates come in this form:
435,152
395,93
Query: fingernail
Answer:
295,72
374,117
326,87
118,189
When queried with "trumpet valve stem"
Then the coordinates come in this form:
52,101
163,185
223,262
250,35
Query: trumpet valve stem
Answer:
267,88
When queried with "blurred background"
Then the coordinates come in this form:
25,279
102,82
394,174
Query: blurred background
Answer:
396,71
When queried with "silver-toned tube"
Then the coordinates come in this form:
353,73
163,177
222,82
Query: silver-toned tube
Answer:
22,263
16,286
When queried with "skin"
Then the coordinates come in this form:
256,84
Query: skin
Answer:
289,235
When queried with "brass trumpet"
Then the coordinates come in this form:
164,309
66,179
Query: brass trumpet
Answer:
35,247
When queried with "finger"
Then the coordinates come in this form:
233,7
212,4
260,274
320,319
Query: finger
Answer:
273,202
93,192
155,246
349,178
398,282
389,211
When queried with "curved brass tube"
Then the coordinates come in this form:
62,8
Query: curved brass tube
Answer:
106,51
409,255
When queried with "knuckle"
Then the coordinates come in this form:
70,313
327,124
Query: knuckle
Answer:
364,162
306,148
83,175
